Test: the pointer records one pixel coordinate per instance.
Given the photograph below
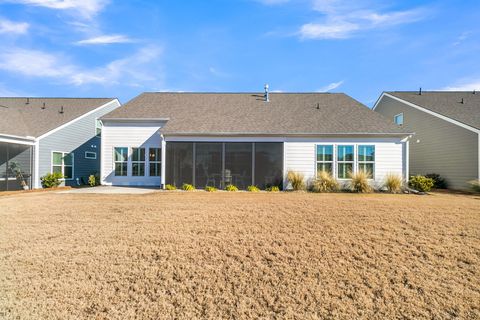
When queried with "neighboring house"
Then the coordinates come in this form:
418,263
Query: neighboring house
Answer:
244,139
44,135
447,132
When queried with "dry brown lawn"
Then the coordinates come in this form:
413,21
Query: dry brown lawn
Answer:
239,255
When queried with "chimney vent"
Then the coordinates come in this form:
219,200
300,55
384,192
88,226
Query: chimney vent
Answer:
462,101
474,92
267,96
420,91
43,106
28,101
61,110
318,106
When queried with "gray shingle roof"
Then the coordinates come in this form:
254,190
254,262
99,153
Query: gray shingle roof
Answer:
447,103
248,113
21,119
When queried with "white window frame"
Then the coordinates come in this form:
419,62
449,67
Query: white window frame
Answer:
90,157
367,162
115,161
333,157
154,162
337,162
144,162
395,119
98,121
63,164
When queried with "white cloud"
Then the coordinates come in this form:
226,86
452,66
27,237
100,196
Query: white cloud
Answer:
86,8
330,87
105,39
140,68
464,86
344,19
7,26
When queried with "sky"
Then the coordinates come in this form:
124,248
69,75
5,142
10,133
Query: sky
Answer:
108,48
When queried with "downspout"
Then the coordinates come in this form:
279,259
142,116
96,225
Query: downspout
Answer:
163,150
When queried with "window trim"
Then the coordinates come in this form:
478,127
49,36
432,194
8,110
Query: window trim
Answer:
367,162
154,162
132,162
398,115
89,157
337,162
333,157
63,164
115,161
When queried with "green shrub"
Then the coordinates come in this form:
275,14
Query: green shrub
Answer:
210,189
253,189
393,183
475,185
297,180
92,181
273,189
324,182
51,180
188,187
231,187
170,187
359,181
438,181
421,183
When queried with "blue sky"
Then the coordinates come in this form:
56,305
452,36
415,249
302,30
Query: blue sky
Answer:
119,49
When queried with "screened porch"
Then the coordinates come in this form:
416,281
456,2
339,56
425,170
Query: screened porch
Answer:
16,162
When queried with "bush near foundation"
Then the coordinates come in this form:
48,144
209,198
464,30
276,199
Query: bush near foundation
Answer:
51,180
421,183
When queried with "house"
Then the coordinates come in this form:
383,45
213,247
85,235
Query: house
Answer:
216,139
447,132
44,135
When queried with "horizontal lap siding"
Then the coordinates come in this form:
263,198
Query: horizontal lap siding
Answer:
131,136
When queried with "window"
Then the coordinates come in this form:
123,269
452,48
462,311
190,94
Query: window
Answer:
62,162
138,162
325,158
398,119
154,158
345,161
98,128
366,159
120,157
90,155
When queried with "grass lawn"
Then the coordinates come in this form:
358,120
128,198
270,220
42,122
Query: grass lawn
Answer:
239,255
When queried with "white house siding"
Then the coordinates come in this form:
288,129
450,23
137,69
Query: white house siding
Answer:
300,155
132,135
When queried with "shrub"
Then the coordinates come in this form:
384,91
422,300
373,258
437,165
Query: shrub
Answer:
359,181
438,181
296,179
210,189
273,189
51,180
170,187
393,183
253,189
188,187
92,181
475,185
231,188
324,182
421,183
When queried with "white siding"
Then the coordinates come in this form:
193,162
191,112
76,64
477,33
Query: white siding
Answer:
389,155
131,135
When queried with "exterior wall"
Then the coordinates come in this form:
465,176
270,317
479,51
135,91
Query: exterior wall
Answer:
76,138
438,146
300,155
131,135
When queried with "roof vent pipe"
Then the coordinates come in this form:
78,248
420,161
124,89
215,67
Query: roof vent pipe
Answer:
267,96
420,91
43,106
474,92
28,101
462,101
61,110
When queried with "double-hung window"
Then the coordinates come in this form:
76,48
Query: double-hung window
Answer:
366,159
345,161
154,158
325,158
121,161
138,162
62,162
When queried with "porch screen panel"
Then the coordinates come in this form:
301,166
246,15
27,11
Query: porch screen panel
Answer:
15,166
179,163
268,164
238,164
208,164
3,166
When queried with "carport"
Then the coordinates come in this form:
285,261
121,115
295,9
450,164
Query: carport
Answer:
16,163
